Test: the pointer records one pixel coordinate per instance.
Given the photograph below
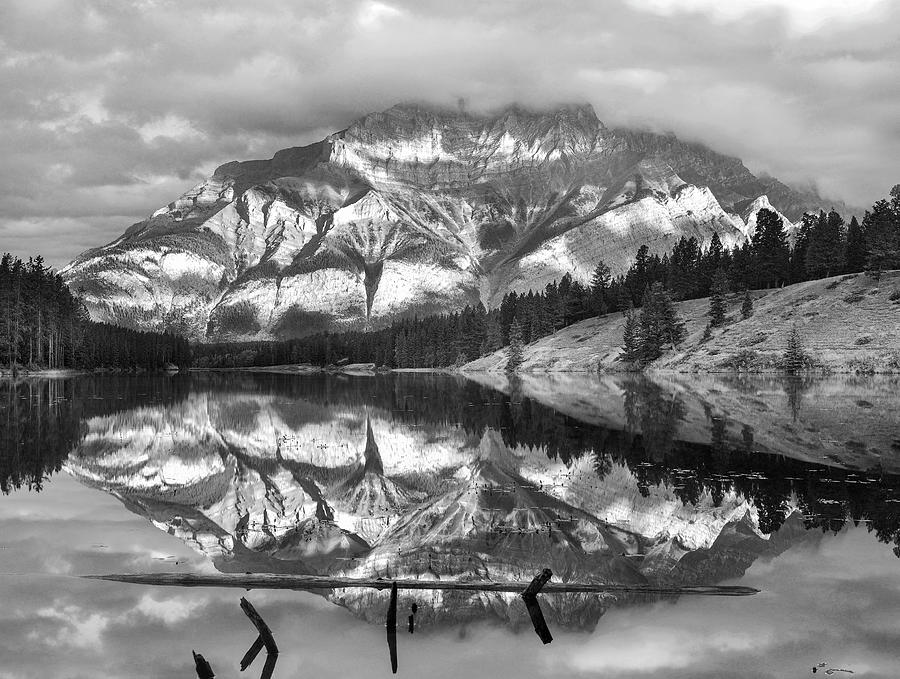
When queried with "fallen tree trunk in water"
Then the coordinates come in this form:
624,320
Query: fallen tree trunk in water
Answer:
265,634
539,582
537,618
391,624
306,582
251,653
534,608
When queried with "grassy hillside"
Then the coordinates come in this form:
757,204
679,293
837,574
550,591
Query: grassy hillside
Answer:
848,324
838,420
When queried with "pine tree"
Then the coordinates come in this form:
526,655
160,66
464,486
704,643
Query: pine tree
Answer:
795,358
671,324
683,268
824,254
516,347
717,301
577,298
631,340
798,271
882,227
747,305
660,324
770,249
638,276
855,253
624,301
599,287
742,271
711,262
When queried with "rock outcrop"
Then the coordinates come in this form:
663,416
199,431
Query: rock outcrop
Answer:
414,210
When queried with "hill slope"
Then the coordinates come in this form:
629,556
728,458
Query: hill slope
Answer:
414,210
848,324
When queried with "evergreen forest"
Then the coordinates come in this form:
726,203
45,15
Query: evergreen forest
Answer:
43,326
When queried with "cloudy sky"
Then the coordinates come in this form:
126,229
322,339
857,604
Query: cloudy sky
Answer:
111,109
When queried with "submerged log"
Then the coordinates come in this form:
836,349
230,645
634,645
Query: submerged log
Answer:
269,667
534,608
391,618
537,618
264,632
312,582
251,653
391,624
204,671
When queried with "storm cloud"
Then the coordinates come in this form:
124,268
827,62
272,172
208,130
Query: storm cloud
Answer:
112,109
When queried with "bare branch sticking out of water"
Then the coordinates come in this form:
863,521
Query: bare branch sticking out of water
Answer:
204,671
534,608
264,632
391,624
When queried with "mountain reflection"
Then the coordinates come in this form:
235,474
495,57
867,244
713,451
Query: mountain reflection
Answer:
42,420
437,477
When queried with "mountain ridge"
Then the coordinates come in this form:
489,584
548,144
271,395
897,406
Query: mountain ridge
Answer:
413,210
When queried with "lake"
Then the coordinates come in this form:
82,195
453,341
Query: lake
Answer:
791,487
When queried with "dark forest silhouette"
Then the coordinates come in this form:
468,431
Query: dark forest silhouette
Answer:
44,327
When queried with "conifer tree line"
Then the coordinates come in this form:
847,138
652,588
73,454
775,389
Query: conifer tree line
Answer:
42,326
824,246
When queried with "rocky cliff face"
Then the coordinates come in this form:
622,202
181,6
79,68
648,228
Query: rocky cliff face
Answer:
262,484
414,210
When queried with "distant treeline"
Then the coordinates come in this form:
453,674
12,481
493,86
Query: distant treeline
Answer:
43,326
824,246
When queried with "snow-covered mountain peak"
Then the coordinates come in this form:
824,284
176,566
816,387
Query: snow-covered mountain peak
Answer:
413,210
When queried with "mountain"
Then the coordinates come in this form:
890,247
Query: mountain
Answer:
415,210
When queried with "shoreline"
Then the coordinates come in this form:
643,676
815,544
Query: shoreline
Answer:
464,372
6,373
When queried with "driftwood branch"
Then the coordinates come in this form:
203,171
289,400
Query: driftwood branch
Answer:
269,667
391,624
534,608
251,653
204,671
312,582
537,618
538,583
264,632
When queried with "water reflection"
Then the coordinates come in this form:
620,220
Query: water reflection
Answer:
42,420
436,477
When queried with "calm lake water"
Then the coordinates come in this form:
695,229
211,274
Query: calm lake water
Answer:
791,487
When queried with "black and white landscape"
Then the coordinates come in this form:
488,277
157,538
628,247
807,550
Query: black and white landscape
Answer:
556,339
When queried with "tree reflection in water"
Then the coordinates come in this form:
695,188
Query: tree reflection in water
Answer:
42,421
